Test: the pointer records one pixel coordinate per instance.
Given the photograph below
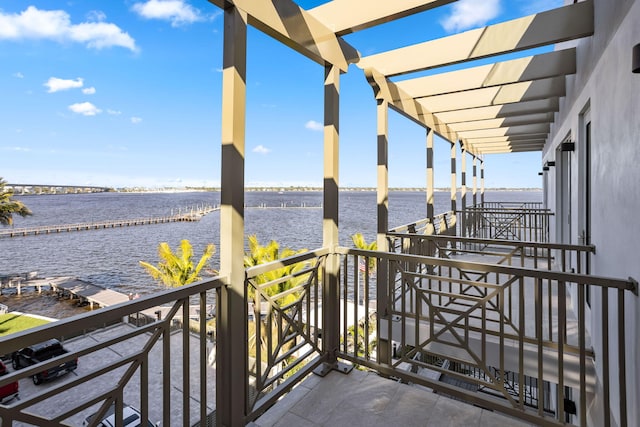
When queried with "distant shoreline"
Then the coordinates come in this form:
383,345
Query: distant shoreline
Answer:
306,189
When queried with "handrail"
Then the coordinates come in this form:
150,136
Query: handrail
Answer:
119,363
512,326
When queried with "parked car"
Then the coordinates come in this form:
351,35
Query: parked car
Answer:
130,418
7,391
39,353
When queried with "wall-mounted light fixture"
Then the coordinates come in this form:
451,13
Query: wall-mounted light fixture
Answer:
540,173
635,62
550,164
545,168
568,146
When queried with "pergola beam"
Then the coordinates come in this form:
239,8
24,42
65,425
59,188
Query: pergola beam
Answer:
398,100
545,28
553,64
534,129
498,95
503,122
348,16
293,26
549,105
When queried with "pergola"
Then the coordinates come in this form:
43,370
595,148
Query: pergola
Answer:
501,107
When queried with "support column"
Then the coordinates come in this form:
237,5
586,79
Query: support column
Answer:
382,296
231,372
330,294
482,182
430,190
463,190
454,179
475,181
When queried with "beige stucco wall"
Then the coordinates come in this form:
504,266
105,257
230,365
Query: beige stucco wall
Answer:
606,87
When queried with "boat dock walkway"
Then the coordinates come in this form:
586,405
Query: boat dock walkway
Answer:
193,215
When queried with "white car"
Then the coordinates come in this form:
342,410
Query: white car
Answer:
130,418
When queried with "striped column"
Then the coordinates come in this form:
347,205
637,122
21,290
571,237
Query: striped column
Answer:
475,181
231,372
330,294
482,182
454,180
382,296
430,189
463,189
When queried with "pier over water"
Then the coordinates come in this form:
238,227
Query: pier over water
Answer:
191,215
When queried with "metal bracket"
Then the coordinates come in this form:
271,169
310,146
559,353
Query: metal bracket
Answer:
326,367
634,282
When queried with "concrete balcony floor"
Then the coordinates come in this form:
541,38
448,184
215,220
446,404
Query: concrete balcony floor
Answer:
366,399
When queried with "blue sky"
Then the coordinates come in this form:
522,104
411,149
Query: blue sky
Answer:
127,93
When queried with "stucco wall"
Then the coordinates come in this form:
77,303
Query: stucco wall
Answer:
606,85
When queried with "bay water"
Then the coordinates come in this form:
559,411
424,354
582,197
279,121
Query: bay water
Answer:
110,257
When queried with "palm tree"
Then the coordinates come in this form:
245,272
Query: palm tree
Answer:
8,206
285,279
360,243
177,269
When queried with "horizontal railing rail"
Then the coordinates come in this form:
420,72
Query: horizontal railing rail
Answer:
514,327
158,367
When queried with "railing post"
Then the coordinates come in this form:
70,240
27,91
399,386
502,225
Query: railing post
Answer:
382,297
232,370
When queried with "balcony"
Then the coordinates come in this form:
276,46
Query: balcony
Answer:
499,324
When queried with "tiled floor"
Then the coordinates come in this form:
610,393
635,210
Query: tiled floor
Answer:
366,399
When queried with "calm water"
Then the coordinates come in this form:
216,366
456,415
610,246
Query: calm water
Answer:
109,257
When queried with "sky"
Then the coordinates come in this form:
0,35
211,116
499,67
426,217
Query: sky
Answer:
127,93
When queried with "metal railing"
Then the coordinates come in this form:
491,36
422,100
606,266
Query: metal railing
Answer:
503,329
162,367
444,223
284,328
549,256
510,223
503,322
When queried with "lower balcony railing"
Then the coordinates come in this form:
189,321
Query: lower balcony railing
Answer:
508,222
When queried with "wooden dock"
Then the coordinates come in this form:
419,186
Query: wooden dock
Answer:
50,229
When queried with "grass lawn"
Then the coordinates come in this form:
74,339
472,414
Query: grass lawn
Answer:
11,323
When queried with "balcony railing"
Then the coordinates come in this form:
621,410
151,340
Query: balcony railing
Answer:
517,337
522,221
160,367
509,327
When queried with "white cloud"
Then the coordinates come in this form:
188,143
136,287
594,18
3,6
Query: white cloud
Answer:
56,85
176,11
313,125
89,90
114,112
261,149
56,25
96,16
85,108
466,14
18,75
136,120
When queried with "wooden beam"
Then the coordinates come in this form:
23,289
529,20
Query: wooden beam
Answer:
385,89
347,16
293,26
548,105
553,64
545,28
516,92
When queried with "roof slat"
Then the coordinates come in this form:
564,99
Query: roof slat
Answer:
515,92
558,63
553,26
348,16
549,105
